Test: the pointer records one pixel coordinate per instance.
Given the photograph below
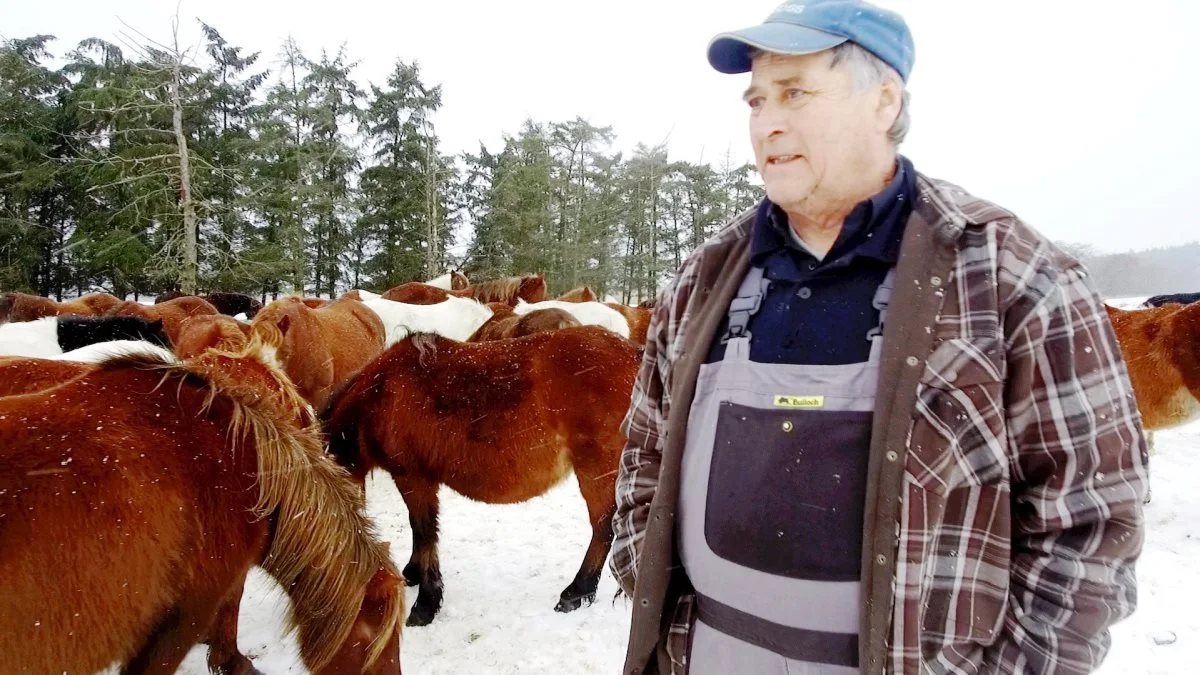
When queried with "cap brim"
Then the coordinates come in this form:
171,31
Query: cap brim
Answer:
730,52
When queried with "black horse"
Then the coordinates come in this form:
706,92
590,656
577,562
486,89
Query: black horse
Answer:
1181,298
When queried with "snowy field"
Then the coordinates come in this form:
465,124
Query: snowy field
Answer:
504,567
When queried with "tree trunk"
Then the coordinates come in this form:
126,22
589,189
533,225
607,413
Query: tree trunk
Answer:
187,277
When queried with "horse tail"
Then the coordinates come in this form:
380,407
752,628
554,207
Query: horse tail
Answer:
426,346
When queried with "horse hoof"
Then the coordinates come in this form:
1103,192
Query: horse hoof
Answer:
411,574
419,616
571,604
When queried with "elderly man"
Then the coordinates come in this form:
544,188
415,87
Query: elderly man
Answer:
882,425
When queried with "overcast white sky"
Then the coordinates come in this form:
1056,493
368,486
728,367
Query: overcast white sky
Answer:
1079,116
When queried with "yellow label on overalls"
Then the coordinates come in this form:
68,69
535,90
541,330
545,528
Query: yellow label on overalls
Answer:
783,401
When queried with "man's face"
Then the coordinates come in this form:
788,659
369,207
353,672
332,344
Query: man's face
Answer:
813,134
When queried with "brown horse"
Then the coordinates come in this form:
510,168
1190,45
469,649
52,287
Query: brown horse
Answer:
172,312
530,288
638,318
19,375
1161,347
320,348
458,281
505,323
210,331
227,303
498,422
24,307
152,549
581,294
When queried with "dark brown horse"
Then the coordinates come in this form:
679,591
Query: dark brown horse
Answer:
498,422
530,288
154,487
25,307
230,304
505,323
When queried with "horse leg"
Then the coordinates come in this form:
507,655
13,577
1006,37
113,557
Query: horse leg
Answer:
223,655
598,492
180,629
421,497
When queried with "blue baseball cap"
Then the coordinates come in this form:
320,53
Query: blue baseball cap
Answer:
806,27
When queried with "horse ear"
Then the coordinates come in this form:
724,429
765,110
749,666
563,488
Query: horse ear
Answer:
283,324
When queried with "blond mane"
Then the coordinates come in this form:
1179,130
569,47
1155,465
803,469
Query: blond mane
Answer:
325,550
505,289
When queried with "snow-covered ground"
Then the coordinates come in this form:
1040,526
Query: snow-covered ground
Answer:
504,567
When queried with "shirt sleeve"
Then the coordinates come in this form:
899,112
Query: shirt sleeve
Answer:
644,426
1078,484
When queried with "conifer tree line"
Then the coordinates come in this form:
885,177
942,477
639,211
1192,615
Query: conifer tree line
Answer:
135,166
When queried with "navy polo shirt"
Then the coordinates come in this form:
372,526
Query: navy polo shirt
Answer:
818,312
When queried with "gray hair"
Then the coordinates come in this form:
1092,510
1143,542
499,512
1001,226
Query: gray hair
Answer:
867,70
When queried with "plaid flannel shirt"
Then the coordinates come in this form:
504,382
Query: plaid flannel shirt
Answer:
1019,520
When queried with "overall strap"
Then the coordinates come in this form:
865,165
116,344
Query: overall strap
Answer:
749,298
883,297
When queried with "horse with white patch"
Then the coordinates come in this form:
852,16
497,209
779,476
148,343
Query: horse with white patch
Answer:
455,318
53,336
587,313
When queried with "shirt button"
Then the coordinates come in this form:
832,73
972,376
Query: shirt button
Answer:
805,293
912,361
880,559
892,456
935,281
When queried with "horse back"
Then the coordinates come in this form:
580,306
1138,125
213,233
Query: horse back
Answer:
417,293
111,493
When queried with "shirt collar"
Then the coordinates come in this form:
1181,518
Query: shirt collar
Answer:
872,228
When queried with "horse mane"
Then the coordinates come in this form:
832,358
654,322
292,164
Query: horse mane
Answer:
504,289
325,550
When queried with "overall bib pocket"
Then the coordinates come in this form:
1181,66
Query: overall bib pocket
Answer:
786,491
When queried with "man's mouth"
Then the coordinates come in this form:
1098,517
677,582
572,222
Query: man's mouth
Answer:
781,159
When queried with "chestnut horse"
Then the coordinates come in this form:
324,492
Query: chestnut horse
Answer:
638,319
588,313
227,303
510,290
581,294
454,318
20,375
171,313
320,348
235,481
505,323
212,331
25,307
1161,347
498,422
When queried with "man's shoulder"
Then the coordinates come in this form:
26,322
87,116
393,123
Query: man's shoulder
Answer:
1005,231
1025,264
